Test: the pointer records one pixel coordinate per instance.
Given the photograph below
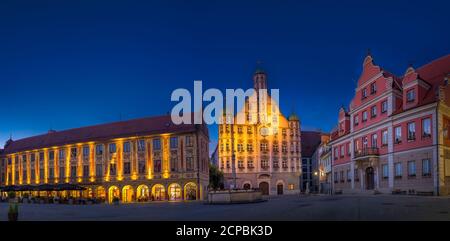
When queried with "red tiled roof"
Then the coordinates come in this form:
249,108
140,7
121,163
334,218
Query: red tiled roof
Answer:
103,132
434,74
310,140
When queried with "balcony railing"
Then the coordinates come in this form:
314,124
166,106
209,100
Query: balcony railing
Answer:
369,151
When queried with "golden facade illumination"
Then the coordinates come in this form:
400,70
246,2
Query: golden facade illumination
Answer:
107,165
266,154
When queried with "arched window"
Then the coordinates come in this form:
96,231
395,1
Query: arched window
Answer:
174,192
190,191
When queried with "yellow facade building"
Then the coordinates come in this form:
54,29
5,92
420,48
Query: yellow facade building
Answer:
138,160
264,154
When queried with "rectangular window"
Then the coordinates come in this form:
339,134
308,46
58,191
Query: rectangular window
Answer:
99,150
364,118
73,152
373,111
156,144
174,164
189,141
62,172
41,174
51,155
335,177
250,163
126,147
398,170
410,96
411,131
112,148
336,153
349,179
157,166
384,106
190,163
342,150
398,134
412,168
374,140
41,156
426,127
126,168
356,175
356,120
385,171
373,88
112,169
99,170
174,142
73,171
86,151
141,167
51,173
384,138
426,168
364,93
86,171
141,145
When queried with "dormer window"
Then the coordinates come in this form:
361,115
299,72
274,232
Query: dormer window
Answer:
410,96
373,88
364,93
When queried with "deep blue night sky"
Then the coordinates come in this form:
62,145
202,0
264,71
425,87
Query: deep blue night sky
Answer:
66,64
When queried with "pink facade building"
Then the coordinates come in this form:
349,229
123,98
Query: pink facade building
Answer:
394,137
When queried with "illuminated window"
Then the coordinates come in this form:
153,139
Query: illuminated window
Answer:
291,186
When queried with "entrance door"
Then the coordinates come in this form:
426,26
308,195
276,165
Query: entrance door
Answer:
370,182
280,189
264,187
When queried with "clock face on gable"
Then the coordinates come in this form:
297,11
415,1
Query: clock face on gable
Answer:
264,131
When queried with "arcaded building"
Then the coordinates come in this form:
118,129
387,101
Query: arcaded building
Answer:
394,137
137,160
267,154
